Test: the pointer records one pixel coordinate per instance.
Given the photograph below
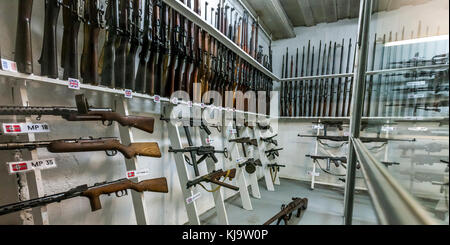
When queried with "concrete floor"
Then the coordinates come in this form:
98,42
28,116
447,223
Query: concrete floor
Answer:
325,206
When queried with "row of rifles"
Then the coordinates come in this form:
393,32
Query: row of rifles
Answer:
175,53
317,97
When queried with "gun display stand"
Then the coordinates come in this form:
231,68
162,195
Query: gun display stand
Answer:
260,153
240,175
31,185
251,153
180,161
313,173
126,136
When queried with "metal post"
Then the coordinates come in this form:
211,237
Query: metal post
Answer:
356,109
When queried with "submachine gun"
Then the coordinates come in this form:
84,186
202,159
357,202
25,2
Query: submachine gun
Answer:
214,178
83,112
274,169
363,139
250,165
273,152
270,140
245,140
336,160
285,214
120,187
203,151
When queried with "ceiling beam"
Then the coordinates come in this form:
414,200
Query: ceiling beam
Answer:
306,10
286,23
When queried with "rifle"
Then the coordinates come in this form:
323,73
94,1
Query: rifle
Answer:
214,178
49,55
347,70
270,140
203,151
316,83
72,17
339,85
23,51
250,165
134,36
310,92
119,187
380,77
144,74
363,139
124,37
440,59
94,22
83,112
273,152
285,214
350,93
109,49
430,148
282,89
275,167
387,164
370,87
245,140
427,106
427,159
110,145
333,69
336,160
296,86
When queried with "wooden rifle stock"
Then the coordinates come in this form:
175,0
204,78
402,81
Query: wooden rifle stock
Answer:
69,52
130,151
121,52
89,58
143,73
153,185
49,55
135,40
23,52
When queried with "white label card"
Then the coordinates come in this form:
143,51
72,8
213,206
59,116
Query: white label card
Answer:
240,160
189,104
25,128
9,65
174,101
387,128
318,126
422,129
192,198
417,83
209,140
233,131
74,84
313,173
128,93
416,96
137,173
25,166
202,105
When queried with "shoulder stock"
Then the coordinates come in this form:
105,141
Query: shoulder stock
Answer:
142,149
143,123
153,185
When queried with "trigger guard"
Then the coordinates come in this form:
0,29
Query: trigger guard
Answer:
111,153
225,152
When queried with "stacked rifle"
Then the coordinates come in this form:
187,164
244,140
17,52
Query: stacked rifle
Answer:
317,96
175,54
83,112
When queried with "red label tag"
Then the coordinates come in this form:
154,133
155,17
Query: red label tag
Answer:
157,99
128,93
13,129
19,167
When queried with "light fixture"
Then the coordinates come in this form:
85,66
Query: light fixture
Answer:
417,40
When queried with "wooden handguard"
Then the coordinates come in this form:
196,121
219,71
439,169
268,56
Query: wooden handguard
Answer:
134,149
153,185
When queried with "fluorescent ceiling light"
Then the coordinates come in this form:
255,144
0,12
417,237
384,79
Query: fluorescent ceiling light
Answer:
417,40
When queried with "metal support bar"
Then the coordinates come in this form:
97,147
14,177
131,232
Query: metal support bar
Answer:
392,204
357,102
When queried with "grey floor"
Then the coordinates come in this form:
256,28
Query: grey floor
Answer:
325,206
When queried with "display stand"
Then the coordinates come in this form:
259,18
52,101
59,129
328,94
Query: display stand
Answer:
313,173
175,142
233,149
222,217
126,136
250,151
31,182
